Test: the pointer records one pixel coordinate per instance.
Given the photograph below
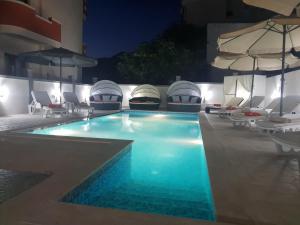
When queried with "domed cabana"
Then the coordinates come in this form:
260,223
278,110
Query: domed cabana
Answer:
106,95
184,96
145,97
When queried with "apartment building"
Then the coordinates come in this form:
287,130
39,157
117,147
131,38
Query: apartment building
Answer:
31,25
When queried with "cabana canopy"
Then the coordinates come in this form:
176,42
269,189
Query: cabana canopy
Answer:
106,87
145,91
184,88
284,7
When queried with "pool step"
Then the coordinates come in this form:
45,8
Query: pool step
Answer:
161,205
139,197
167,193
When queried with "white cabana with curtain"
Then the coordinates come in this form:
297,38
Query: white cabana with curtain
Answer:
145,97
106,95
240,86
245,85
266,62
230,87
277,35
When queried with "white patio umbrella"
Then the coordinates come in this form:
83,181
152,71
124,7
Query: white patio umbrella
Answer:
284,7
59,57
266,62
276,35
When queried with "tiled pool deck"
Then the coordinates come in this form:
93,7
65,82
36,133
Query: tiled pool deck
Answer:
251,183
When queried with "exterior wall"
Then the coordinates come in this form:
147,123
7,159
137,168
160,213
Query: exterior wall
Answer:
292,82
212,93
15,96
201,12
28,23
83,92
52,88
196,12
70,14
14,92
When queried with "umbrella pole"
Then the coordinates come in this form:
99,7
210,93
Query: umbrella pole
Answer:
282,70
252,82
235,91
60,79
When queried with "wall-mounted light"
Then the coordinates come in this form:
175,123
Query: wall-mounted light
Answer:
276,93
85,93
55,92
206,93
4,93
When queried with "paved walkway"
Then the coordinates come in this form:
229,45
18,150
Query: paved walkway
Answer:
252,183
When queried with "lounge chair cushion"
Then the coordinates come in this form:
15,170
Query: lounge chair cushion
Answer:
55,106
71,98
252,114
41,97
185,99
194,100
217,105
175,98
106,98
114,98
96,98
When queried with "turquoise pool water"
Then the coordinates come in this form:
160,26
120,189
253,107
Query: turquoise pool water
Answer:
165,171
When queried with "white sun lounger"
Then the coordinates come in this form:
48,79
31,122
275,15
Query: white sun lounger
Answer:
240,119
289,121
272,121
71,99
233,102
256,101
42,99
287,143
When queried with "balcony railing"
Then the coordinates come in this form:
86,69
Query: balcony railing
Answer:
21,15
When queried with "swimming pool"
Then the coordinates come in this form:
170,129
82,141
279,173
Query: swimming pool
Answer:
164,172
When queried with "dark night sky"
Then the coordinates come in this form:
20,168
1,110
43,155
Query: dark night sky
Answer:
113,26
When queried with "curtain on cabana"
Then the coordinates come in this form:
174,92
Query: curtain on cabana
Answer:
246,82
230,85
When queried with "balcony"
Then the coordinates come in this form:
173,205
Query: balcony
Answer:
18,18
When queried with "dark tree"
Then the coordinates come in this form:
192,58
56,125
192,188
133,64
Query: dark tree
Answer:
179,51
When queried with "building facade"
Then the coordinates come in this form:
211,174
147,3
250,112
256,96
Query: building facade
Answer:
202,12
31,25
215,17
